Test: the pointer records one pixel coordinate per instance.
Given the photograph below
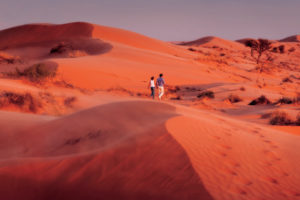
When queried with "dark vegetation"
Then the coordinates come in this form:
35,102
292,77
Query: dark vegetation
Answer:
8,59
284,100
69,101
279,49
206,94
61,48
292,49
192,49
176,98
282,118
260,46
34,73
287,80
242,88
25,101
234,98
262,100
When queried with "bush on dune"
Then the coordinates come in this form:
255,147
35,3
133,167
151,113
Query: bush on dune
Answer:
284,100
234,98
283,119
280,118
25,101
34,73
206,94
262,100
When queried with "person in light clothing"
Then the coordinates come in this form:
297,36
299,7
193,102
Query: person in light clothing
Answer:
160,82
152,87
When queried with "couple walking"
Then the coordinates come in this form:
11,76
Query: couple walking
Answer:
160,82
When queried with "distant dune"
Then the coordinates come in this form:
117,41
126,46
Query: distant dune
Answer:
294,38
212,41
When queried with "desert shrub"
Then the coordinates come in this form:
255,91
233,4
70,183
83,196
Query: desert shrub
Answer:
61,48
296,100
281,48
287,80
69,101
280,118
284,100
297,122
206,94
275,49
25,101
9,59
191,49
35,73
262,100
38,72
292,49
176,98
172,89
242,88
234,98
222,54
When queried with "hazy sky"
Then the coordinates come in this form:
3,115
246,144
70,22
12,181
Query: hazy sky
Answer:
170,20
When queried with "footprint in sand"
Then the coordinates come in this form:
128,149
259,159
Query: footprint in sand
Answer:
217,137
239,191
271,155
223,154
255,132
224,146
270,180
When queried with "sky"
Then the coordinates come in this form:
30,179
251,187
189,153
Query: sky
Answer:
168,20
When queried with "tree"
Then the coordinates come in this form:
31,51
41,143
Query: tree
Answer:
260,46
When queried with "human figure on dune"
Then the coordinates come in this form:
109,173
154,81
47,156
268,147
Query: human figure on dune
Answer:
160,82
152,87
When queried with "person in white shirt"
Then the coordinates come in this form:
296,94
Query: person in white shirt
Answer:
152,87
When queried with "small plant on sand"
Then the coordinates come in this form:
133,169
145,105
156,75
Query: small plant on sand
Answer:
242,88
281,48
34,73
287,80
284,100
69,101
234,98
280,118
61,48
206,94
192,49
262,100
39,71
260,46
9,59
292,49
25,102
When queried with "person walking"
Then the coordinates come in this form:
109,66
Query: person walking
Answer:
160,82
152,87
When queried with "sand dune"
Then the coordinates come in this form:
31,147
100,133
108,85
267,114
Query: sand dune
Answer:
211,41
294,38
181,154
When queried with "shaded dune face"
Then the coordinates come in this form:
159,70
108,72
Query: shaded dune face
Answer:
133,157
36,41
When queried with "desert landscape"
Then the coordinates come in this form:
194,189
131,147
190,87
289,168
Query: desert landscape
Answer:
77,120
